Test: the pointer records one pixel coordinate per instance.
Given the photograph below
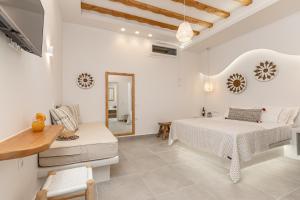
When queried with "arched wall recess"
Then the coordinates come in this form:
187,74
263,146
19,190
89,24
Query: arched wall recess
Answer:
281,91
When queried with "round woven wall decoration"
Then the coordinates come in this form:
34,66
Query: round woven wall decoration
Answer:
265,71
85,81
236,83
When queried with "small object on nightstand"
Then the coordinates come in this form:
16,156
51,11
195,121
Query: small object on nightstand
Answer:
209,114
164,129
203,112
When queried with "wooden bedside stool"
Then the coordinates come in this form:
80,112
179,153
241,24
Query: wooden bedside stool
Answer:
68,184
164,129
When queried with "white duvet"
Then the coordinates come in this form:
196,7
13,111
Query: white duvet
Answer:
230,139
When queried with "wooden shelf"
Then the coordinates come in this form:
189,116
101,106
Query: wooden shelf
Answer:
28,143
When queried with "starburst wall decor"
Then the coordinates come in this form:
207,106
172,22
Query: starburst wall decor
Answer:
85,81
265,71
236,83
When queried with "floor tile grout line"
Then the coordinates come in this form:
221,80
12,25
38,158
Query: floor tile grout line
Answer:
258,189
288,193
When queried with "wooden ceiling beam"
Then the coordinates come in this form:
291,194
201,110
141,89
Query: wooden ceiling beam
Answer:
115,13
204,7
165,12
245,2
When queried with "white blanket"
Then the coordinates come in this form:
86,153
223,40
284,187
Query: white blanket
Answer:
230,139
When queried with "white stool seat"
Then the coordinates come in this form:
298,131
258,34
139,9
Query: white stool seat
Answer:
68,181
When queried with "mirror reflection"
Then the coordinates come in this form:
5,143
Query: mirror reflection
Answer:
119,103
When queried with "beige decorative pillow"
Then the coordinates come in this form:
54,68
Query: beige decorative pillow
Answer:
63,116
250,115
75,112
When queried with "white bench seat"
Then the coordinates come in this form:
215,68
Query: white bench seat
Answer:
95,142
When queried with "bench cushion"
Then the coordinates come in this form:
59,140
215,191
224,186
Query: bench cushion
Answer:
95,142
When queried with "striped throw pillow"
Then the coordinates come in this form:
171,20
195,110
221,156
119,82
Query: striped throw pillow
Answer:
250,115
75,112
63,116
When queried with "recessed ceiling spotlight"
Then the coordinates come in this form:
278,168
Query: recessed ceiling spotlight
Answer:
123,29
150,35
137,32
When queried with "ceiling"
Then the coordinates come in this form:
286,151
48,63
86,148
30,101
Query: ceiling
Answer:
160,18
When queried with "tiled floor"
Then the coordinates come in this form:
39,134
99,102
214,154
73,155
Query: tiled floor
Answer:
149,169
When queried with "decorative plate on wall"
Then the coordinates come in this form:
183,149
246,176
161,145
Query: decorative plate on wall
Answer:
265,71
236,83
85,81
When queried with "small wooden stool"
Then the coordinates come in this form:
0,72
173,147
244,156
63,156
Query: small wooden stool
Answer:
68,184
164,129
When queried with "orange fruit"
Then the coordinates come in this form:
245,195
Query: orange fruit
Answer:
38,126
40,117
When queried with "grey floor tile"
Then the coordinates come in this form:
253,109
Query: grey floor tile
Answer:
124,167
295,195
200,171
162,147
164,180
224,190
178,155
136,152
188,193
124,188
149,163
266,179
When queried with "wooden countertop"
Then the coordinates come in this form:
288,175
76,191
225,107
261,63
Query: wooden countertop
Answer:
28,142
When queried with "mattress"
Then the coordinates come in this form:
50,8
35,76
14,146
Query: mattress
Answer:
95,142
230,139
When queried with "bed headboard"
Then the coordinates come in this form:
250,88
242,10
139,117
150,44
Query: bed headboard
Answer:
283,90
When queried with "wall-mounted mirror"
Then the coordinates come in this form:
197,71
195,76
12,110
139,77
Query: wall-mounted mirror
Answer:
120,103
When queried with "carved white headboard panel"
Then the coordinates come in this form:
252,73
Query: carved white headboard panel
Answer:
283,90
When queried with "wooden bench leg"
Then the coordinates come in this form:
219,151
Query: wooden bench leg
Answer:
90,191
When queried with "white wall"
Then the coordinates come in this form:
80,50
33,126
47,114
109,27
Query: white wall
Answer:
166,88
28,84
281,36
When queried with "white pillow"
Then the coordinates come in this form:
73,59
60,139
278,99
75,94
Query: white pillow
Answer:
288,115
297,121
271,114
293,114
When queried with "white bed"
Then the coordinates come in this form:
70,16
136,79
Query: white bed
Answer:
237,141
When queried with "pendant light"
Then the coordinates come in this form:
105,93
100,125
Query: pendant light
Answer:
208,85
185,31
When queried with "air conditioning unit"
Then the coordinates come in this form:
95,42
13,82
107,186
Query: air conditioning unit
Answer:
163,50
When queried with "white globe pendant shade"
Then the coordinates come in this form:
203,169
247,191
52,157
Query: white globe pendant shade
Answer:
185,32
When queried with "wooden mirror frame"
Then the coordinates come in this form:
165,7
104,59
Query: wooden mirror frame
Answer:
132,100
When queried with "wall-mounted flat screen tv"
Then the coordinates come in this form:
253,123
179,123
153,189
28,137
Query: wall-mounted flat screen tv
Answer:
23,22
